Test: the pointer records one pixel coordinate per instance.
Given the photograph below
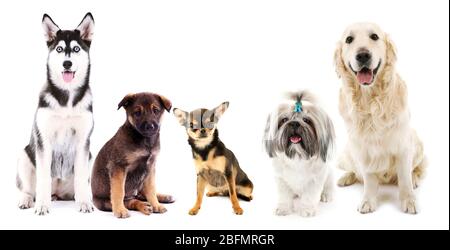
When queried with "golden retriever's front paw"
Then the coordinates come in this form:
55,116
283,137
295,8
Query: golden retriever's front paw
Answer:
367,206
121,213
194,211
409,206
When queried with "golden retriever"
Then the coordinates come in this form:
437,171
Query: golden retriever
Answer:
382,147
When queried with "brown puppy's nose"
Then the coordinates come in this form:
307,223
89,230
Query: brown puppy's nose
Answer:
149,126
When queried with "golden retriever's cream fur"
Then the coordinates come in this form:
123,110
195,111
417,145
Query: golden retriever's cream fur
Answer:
382,147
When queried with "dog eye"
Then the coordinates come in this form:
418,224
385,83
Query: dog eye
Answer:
76,49
59,49
138,113
374,37
307,121
156,111
191,125
349,39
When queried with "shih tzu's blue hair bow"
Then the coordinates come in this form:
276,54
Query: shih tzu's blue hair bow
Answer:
298,107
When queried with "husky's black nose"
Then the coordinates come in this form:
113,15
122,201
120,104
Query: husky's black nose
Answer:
67,64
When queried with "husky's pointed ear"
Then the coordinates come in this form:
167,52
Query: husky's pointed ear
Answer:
86,28
166,103
126,101
219,110
181,116
50,28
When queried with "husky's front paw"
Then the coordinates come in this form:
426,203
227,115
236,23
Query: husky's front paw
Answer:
307,212
26,201
409,206
86,207
367,206
42,209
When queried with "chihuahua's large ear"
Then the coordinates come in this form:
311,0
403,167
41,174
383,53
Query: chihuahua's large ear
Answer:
126,101
181,116
165,102
219,110
50,28
86,28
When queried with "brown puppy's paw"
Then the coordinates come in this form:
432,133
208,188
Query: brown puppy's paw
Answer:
122,213
145,208
194,211
238,210
159,209
163,198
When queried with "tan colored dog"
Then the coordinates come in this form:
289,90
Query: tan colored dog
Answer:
382,147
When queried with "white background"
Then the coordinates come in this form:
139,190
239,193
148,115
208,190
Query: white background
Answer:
201,53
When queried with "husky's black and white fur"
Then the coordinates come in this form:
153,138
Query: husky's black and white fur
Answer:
55,164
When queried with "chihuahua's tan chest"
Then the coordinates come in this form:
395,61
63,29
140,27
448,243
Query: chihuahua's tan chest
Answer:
212,162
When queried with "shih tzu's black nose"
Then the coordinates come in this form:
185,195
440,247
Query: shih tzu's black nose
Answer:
294,124
67,64
363,57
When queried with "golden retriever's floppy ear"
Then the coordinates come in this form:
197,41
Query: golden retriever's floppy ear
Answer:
391,51
338,62
126,101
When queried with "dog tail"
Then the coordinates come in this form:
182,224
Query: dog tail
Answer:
301,96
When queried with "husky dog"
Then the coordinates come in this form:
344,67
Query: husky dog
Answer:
55,163
300,140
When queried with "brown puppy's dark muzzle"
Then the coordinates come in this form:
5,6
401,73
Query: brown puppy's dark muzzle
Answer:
148,128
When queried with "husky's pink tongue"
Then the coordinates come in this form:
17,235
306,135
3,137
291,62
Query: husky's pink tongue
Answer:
68,76
365,77
295,139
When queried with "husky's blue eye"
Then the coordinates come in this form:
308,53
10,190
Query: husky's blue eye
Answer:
59,49
76,49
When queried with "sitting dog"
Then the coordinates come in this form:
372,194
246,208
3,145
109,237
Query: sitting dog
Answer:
123,177
299,138
217,167
55,163
382,147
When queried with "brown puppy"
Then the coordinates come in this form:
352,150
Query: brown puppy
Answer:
123,177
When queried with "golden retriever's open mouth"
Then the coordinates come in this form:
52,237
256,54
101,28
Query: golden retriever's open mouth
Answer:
366,76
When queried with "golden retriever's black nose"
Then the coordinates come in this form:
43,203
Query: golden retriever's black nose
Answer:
67,64
363,57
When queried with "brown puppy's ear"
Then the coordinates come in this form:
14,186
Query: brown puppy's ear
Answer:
219,110
181,116
338,61
391,51
126,101
166,103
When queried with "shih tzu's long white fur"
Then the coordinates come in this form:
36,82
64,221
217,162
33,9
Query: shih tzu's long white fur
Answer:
382,147
299,137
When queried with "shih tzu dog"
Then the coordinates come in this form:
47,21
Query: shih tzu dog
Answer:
299,137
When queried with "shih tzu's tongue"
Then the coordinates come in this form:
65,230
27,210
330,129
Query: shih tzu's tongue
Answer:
68,76
365,76
295,139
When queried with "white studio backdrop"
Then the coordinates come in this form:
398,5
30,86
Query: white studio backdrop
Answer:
201,53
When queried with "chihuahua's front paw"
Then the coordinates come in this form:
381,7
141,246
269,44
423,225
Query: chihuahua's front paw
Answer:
121,213
367,206
238,210
194,211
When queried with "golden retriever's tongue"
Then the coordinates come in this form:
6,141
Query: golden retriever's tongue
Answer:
295,139
68,76
365,76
